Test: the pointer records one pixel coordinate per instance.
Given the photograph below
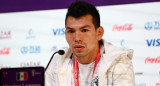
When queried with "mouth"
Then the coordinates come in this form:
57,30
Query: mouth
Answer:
79,47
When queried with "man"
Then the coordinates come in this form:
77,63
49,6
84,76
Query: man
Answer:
89,61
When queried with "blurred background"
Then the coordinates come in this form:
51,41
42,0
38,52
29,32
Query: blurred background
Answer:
32,30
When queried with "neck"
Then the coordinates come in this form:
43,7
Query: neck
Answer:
86,60
89,58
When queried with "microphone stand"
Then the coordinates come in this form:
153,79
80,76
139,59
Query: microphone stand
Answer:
60,52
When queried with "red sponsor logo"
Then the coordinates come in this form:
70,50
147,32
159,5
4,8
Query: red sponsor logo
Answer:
149,60
5,34
126,27
157,84
4,51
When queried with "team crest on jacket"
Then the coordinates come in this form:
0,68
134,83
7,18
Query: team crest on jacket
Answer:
95,81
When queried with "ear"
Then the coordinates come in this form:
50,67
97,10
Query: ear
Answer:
100,32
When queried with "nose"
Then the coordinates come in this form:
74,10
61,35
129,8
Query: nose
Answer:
78,37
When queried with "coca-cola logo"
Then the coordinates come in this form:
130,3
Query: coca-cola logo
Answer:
149,60
126,27
157,84
4,51
5,34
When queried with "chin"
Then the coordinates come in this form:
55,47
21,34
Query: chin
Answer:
79,54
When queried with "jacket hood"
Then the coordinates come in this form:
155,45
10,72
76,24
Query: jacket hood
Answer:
111,49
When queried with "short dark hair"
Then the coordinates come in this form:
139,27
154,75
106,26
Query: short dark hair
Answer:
81,8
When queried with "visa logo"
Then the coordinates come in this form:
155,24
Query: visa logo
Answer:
153,42
58,31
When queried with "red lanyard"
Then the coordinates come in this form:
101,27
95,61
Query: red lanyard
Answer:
76,81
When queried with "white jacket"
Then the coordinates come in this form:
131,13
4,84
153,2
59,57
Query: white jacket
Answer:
114,68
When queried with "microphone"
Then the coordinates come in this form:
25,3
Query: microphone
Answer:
60,52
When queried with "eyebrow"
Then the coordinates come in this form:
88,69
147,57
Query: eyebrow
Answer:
80,27
85,26
69,28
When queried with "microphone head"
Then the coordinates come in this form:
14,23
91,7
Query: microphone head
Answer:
61,52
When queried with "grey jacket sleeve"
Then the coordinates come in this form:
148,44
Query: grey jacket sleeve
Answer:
121,73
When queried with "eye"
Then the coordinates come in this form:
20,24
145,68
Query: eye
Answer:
70,31
85,30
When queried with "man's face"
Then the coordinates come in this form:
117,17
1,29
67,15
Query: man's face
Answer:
81,35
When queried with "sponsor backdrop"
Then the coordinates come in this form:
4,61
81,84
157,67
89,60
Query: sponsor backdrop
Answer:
30,38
